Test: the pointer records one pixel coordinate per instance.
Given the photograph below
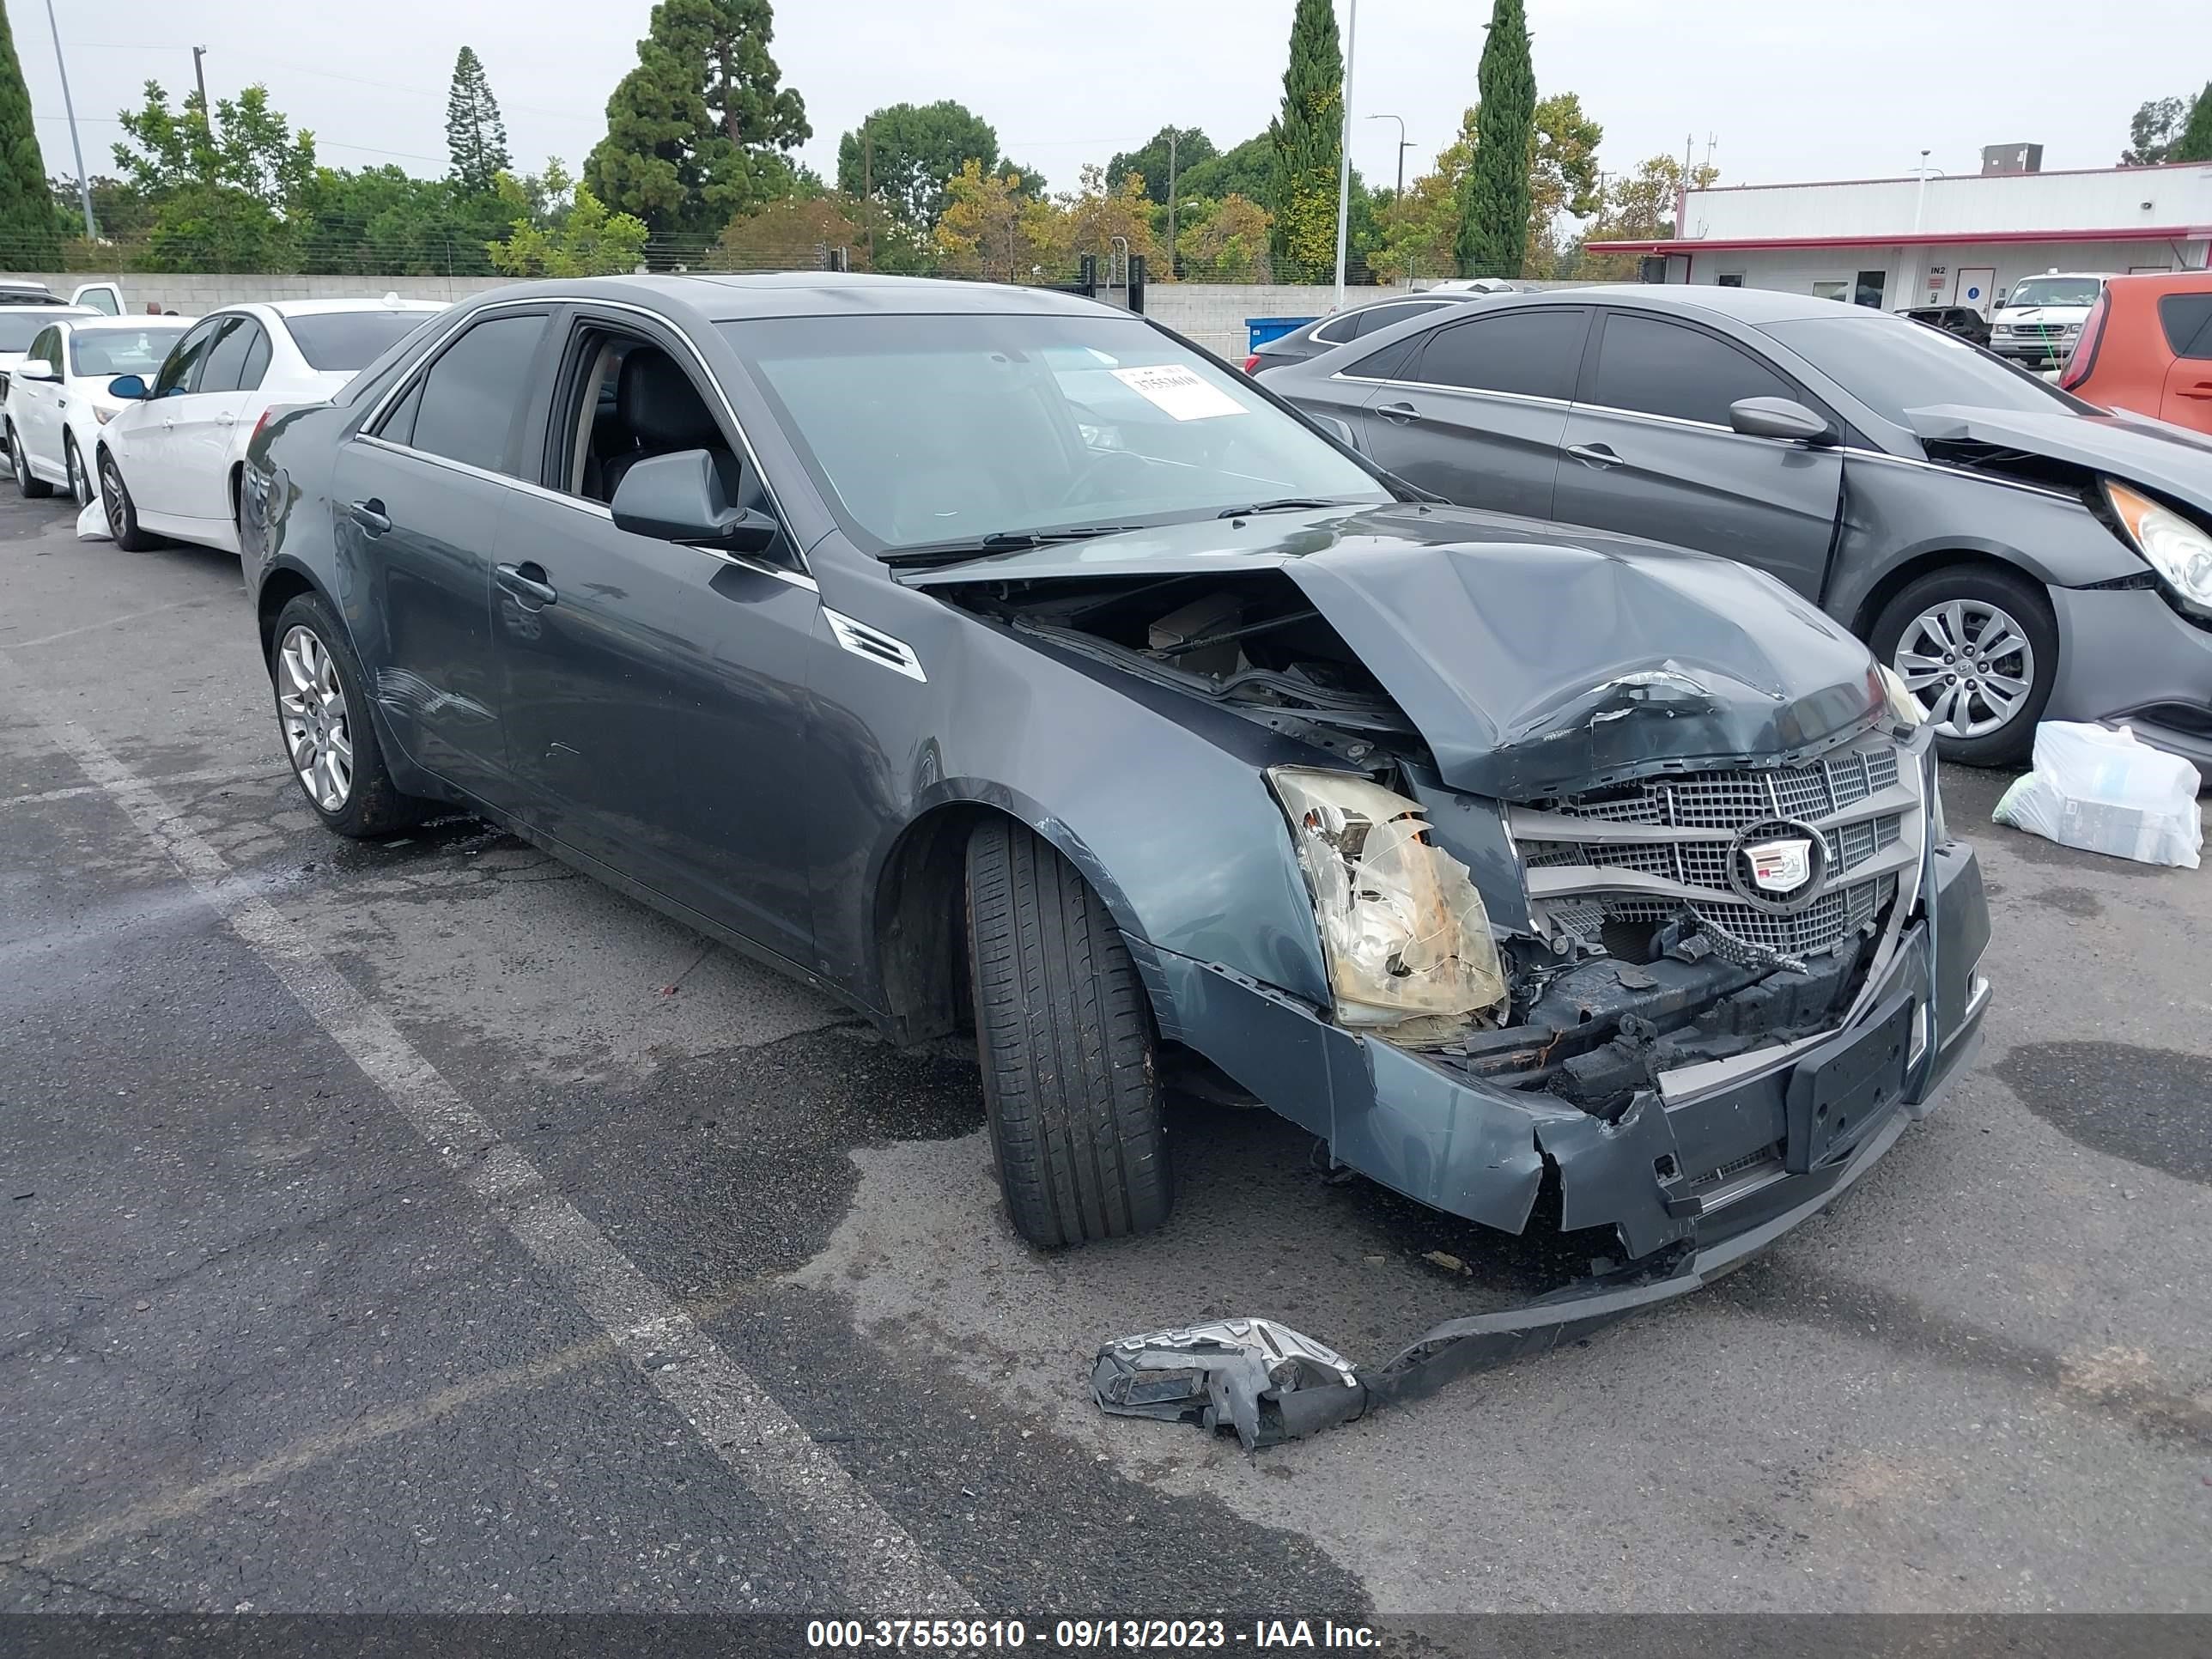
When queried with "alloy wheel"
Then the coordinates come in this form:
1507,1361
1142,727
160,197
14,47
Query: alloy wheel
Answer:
22,466
1970,664
80,486
311,702
111,498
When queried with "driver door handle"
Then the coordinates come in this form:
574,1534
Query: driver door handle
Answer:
1598,455
369,515
1399,414
526,582
2202,390
226,418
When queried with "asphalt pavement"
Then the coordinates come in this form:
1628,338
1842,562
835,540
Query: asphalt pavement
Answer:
424,1227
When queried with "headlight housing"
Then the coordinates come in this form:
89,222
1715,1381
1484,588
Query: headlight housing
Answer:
102,414
1904,707
2178,549
1407,942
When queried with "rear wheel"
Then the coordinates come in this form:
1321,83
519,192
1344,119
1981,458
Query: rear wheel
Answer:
122,512
329,738
31,488
1063,1035
1978,647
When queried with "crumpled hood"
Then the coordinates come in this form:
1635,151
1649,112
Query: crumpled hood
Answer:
2133,447
1533,658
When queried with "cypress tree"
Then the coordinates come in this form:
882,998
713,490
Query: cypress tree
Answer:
1308,136
1493,227
475,137
30,234
2195,143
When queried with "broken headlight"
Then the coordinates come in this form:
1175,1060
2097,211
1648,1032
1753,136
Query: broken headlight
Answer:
2178,549
1905,708
1402,928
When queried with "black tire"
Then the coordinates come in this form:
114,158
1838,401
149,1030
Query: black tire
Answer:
31,488
372,804
2018,598
122,512
80,487
1063,1035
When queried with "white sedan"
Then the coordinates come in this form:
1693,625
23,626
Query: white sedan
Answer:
57,395
168,464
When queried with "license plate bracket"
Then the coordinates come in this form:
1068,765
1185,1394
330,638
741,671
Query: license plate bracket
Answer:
1840,1091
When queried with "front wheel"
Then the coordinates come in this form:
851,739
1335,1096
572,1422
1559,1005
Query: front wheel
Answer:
32,488
1978,647
122,512
80,482
329,738
1064,1035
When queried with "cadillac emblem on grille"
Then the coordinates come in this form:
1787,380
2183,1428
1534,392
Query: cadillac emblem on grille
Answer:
1779,865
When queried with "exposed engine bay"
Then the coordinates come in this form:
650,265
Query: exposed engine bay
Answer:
1688,916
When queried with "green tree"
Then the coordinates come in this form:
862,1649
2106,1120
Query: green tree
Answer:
384,219
233,202
793,234
1639,206
1246,171
1563,178
1192,149
906,154
122,211
2195,143
1307,136
588,240
1225,241
476,138
1493,229
2157,123
699,131
30,234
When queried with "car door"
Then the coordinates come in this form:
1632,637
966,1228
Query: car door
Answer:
35,406
2186,320
203,424
100,296
153,469
653,692
1649,452
1477,412
418,498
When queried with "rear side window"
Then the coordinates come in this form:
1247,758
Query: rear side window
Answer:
1388,364
465,408
226,360
257,361
1532,351
2187,320
347,341
1338,329
1662,369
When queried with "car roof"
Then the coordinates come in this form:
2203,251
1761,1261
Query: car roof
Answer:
101,319
328,307
2097,276
2180,281
1753,306
730,298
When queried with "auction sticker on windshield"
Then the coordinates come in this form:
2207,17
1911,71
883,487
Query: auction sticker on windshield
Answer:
1179,392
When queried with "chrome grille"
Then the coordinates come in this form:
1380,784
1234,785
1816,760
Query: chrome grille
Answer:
1851,800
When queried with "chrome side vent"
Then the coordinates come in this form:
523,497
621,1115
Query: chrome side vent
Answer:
875,645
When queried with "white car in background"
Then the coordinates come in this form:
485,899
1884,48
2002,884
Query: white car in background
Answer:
168,464
57,395
22,323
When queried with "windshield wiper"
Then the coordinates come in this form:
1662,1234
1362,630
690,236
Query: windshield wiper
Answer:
1281,504
1000,541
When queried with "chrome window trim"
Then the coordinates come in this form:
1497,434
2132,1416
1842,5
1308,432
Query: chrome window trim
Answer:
1461,391
575,504
550,303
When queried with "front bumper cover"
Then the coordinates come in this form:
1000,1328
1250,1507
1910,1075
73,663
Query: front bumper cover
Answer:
1481,1152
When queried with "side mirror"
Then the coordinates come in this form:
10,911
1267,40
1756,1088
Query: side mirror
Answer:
1338,429
34,368
1781,418
132,386
679,498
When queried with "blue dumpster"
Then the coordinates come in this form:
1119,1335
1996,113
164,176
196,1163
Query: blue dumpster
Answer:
1264,329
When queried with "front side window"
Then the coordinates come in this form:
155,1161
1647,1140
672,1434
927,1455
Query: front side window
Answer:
47,347
938,430
179,367
1532,350
104,353
2187,321
1892,367
465,408
1657,367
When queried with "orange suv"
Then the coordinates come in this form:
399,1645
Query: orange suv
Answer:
2147,348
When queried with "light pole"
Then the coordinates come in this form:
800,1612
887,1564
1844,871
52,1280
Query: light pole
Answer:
83,180
1344,151
207,115
1403,146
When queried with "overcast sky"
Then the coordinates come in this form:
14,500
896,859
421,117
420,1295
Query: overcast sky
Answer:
1786,91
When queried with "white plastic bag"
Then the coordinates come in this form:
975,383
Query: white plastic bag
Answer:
2104,791
92,523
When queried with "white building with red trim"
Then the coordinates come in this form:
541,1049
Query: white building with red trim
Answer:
1900,242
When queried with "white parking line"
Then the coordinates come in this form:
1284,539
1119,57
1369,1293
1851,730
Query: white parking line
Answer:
879,1565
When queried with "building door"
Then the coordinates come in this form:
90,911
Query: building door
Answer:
1975,287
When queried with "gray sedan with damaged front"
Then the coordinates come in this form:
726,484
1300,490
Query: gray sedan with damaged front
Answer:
2013,553
994,660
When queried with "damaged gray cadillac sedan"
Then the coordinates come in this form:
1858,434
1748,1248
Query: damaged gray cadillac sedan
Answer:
989,658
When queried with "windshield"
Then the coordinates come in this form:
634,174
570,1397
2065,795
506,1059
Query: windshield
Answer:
346,342
1892,367
105,353
938,430
2055,291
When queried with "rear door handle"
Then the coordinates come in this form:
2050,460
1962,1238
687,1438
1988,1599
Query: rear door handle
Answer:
526,582
226,418
1595,455
1399,413
369,515
2202,390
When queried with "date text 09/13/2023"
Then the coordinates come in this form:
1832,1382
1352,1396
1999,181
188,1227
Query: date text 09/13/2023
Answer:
980,1634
